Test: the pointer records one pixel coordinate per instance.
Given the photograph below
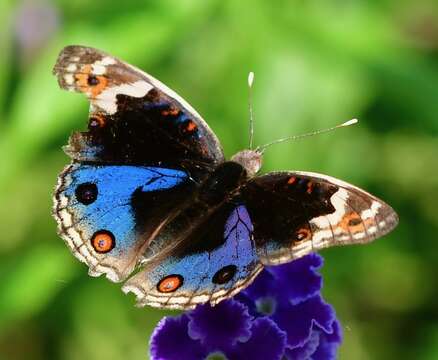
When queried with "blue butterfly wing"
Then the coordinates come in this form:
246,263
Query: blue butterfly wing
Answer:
97,212
182,282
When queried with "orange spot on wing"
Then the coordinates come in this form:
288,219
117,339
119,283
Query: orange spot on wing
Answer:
103,242
97,121
292,180
309,187
82,81
97,89
171,111
82,77
170,283
352,222
303,234
191,126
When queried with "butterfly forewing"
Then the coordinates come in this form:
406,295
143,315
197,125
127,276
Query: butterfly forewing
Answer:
144,152
309,212
133,117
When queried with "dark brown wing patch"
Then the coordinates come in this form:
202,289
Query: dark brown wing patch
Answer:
134,119
295,213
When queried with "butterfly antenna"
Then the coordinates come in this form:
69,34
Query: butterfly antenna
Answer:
251,113
262,148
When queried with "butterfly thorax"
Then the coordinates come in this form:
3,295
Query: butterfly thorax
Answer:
191,230
250,160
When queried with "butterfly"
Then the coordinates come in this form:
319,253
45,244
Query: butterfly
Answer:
149,199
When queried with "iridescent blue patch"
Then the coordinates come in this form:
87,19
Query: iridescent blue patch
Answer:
112,209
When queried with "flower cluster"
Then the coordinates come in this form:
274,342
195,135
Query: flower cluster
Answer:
280,316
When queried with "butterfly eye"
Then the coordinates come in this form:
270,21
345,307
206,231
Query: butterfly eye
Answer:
103,241
170,283
86,193
225,274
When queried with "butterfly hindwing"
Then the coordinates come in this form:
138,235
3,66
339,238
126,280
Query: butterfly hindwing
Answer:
133,117
295,213
197,276
107,214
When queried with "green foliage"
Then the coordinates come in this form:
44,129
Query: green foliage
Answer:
317,64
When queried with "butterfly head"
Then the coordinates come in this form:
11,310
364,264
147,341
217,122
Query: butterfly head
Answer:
251,160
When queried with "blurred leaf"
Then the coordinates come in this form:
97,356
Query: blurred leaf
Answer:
317,64
31,281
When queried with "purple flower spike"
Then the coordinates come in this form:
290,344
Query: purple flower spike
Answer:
280,316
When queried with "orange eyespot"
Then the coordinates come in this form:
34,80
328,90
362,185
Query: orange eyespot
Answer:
303,234
103,241
96,121
170,283
353,223
292,180
89,83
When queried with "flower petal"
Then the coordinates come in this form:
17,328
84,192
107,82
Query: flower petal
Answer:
266,342
263,286
298,320
221,326
299,279
170,341
292,282
306,351
329,343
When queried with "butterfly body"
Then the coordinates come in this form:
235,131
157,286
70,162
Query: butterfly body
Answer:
150,200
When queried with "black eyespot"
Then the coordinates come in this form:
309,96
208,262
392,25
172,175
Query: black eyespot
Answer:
92,80
86,193
225,274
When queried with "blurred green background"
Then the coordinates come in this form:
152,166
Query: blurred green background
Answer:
317,64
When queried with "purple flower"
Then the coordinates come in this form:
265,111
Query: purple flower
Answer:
280,316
